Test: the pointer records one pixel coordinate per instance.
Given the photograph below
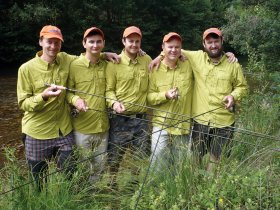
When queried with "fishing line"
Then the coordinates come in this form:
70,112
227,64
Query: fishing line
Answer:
240,130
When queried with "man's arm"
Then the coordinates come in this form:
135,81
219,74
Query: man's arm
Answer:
111,82
71,98
110,56
240,86
26,99
154,96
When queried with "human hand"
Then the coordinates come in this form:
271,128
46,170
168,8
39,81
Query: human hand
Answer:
141,53
81,105
231,57
118,107
183,57
229,101
113,57
172,94
52,91
155,63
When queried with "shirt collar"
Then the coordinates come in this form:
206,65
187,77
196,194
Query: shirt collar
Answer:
127,60
167,68
87,61
45,64
218,62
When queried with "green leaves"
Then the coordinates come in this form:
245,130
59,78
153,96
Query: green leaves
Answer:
22,21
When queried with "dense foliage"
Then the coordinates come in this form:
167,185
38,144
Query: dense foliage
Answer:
253,29
21,22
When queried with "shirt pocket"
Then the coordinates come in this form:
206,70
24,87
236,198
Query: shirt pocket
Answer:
185,84
61,78
163,85
224,84
125,80
84,83
39,86
101,86
144,80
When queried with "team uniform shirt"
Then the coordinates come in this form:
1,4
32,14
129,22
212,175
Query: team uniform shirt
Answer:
90,78
44,119
128,82
162,80
214,81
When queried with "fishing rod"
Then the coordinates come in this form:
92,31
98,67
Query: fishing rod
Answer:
112,99
236,129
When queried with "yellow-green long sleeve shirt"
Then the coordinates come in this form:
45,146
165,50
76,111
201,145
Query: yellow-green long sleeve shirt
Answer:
214,81
128,82
44,119
90,78
162,80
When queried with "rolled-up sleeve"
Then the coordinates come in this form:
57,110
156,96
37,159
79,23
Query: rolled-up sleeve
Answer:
240,87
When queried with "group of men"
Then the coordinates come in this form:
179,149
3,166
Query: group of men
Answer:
175,92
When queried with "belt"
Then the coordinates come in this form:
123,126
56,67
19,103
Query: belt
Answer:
139,116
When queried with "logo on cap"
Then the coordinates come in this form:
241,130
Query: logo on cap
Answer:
50,31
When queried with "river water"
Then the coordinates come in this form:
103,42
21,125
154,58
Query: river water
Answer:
10,117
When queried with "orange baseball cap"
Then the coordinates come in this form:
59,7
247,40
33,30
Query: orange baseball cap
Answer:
94,29
170,35
212,31
50,31
132,30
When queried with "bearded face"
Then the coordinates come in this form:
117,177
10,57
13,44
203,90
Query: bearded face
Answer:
213,46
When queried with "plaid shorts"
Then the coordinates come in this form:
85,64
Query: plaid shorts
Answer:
207,139
40,150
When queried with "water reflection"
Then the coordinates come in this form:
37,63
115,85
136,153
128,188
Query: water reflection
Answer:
10,116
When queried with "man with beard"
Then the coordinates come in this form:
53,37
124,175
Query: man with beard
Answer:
217,82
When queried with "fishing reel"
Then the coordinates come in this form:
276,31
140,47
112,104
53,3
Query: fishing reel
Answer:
74,112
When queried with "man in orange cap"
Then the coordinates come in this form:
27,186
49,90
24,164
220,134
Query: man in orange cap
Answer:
126,92
218,85
46,121
87,74
170,93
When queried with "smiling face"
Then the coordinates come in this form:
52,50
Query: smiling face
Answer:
172,49
213,46
132,44
94,44
50,46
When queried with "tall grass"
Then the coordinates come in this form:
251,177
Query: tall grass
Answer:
245,180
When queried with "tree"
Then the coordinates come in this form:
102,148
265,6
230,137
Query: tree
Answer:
21,22
253,29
